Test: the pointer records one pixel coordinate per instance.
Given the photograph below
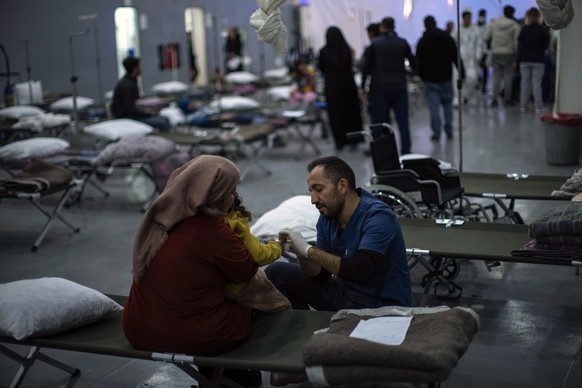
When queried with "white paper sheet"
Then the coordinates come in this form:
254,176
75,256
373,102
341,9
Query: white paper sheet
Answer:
384,330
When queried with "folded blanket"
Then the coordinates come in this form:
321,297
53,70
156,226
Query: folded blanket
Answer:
435,341
531,249
37,176
564,220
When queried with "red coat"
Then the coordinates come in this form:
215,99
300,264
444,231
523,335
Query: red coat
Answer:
179,304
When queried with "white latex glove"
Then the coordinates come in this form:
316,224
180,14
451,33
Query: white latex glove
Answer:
298,244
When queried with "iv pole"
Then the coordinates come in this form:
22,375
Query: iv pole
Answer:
74,79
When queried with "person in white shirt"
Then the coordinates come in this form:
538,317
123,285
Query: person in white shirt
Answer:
503,32
471,50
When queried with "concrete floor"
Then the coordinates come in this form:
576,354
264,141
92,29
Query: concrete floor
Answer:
531,331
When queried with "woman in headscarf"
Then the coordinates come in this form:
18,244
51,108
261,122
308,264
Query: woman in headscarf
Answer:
184,255
341,94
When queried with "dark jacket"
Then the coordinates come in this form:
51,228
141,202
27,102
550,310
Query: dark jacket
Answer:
436,53
125,94
532,43
384,60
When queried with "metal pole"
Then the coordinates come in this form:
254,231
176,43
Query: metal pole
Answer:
28,72
74,87
218,71
98,64
460,85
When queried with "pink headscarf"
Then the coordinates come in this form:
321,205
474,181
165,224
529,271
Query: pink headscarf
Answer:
197,185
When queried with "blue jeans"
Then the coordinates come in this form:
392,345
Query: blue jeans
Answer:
303,292
395,97
532,74
437,94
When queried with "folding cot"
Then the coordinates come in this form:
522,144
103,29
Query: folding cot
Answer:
275,344
249,141
278,342
38,180
512,187
441,239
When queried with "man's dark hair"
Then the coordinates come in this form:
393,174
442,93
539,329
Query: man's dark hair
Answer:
388,23
373,29
482,12
130,63
429,22
466,12
508,11
335,169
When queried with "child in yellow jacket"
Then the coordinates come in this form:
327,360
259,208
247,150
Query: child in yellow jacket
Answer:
238,219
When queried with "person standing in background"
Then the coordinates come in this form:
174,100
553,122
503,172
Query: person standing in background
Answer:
373,30
385,61
341,93
482,25
503,33
532,43
234,49
470,46
436,53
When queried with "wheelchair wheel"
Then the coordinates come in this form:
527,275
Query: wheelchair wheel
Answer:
449,267
400,203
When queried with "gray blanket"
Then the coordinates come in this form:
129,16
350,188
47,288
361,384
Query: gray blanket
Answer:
435,341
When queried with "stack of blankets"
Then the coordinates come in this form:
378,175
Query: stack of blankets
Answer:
38,176
557,234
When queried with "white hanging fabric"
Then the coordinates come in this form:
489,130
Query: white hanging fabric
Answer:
557,13
266,20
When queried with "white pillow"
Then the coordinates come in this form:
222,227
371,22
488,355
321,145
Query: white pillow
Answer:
234,103
240,77
442,164
277,73
36,147
170,87
66,104
19,111
44,306
118,128
279,93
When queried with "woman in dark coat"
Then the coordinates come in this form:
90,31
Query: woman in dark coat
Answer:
341,94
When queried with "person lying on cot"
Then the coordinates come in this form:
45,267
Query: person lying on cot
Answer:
184,255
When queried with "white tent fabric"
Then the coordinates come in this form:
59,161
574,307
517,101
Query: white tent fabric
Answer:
266,20
557,13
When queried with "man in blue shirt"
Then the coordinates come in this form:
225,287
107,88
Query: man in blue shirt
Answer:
359,260
385,62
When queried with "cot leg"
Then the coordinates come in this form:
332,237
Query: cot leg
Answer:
27,361
436,273
51,217
253,155
306,139
217,380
